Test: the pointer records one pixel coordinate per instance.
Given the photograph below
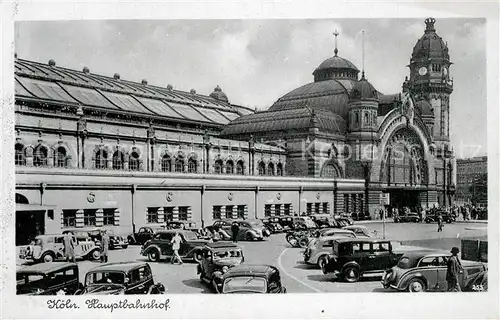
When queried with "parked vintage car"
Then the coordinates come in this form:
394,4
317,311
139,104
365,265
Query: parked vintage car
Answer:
217,259
48,278
361,231
143,234
286,222
323,220
433,217
354,258
318,249
187,225
121,278
116,241
249,230
272,224
160,247
247,278
50,247
407,217
303,223
419,271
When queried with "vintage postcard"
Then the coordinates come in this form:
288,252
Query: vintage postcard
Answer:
229,160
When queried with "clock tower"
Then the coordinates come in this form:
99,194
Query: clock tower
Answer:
430,80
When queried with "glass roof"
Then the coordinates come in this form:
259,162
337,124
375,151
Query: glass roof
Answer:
230,115
187,111
125,102
46,90
20,90
89,97
212,115
159,107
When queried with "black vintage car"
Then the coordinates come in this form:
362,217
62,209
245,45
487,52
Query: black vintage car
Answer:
50,278
354,258
160,247
121,278
272,224
408,217
143,234
286,222
433,217
218,258
247,278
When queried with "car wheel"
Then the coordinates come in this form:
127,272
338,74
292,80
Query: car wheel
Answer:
125,246
131,240
95,255
351,274
416,285
322,261
249,237
197,256
303,242
48,257
153,256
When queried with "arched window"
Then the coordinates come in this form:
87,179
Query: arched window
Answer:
101,159
356,118
166,163
40,156
262,168
367,121
239,168
60,157
218,167
179,165
20,156
118,160
279,169
133,161
270,169
330,171
230,167
192,165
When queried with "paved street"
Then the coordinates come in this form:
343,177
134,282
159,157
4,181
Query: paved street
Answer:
296,276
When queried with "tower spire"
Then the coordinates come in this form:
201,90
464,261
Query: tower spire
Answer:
363,54
336,34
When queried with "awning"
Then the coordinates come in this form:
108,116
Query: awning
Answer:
33,207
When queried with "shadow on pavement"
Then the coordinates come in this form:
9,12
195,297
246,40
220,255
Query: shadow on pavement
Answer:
305,266
321,278
383,290
196,283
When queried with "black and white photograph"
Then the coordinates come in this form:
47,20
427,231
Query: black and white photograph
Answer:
171,157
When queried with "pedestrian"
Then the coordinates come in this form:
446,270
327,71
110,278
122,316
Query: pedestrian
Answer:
69,247
453,271
381,213
104,246
235,229
424,213
176,245
440,222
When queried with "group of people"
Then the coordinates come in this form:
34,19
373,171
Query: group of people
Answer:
69,243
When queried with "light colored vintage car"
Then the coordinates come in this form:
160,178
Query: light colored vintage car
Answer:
419,271
318,249
50,247
361,231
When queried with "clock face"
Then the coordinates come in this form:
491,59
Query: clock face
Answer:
422,71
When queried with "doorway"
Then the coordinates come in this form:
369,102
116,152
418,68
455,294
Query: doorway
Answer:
29,224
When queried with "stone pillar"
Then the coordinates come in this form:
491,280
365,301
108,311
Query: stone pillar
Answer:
374,202
161,215
175,214
29,156
235,212
79,218
117,217
50,157
99,218
109,161
125,165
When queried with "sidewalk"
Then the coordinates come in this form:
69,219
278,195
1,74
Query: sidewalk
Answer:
392,221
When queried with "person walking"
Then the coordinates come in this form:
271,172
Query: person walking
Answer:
453,271
176,245
69,247
440,222
104,246
235,229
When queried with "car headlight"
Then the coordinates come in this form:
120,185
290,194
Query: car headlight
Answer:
225,269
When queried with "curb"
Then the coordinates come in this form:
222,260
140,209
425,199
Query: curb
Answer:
391,221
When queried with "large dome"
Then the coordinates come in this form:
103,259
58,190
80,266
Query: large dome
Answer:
430,45
336,68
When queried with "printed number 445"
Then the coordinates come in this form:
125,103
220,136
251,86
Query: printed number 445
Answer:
478,287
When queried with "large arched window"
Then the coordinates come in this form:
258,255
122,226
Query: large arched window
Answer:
166,163
192,165
279,169
118,160
270,169
60,157
179,165
101,159
262,168
218,167
20,154
40,156
240,170
230,167
133,161
330,171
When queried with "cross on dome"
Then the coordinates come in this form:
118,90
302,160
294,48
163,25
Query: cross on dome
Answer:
336,34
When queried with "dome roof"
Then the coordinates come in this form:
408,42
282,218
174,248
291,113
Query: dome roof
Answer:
424,108
219,95
331,95
363,90
430,45
337,62
336,68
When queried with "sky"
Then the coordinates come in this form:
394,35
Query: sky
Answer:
255,62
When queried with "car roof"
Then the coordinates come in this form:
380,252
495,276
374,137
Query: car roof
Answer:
174,231
261,270
419,254
333,237
119,266
354,227
222,244
339,230
46,267
371,240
